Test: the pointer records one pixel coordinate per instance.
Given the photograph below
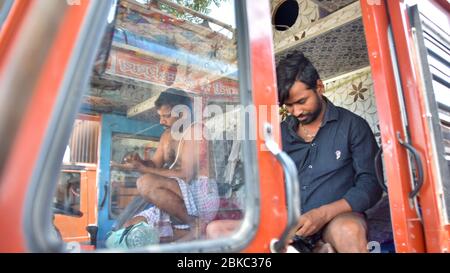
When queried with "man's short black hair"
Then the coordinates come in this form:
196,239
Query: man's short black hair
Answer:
173,97
295,67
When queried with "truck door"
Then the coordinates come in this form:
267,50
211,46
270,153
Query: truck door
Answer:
408,44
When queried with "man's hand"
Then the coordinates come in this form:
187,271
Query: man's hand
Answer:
130,157
312,221
315,219
130,166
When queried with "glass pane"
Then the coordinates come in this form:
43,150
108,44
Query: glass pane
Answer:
67,198
123,183
5,8
165,152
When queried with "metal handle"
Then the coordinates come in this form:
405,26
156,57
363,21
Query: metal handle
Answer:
418,161
292,187
105,194
379,170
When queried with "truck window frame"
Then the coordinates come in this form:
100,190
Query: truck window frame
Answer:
37,215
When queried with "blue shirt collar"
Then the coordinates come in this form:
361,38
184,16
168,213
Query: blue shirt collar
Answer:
331,113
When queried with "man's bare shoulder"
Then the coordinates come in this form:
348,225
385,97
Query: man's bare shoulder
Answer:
166,133
165,136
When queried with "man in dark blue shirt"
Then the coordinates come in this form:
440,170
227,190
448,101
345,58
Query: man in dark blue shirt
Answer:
334,152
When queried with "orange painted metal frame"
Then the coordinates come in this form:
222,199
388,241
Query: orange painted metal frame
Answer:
73,228
12,26
436,235
407,229
14,182
273,209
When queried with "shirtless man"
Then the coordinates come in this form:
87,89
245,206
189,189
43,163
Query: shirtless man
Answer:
177,178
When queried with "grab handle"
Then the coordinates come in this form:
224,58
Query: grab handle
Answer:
418,182
292,187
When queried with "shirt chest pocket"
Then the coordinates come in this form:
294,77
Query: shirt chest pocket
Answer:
333,157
